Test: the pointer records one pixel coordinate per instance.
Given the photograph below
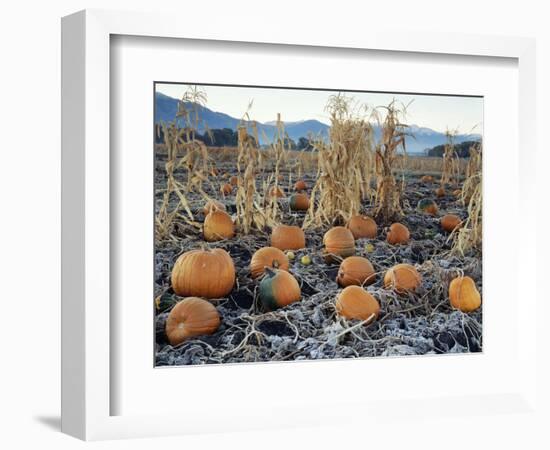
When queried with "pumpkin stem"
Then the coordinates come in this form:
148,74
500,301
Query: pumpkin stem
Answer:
269,271
275,264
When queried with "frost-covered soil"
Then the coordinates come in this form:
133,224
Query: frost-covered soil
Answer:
423,323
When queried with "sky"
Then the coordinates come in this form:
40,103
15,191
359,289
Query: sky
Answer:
432,111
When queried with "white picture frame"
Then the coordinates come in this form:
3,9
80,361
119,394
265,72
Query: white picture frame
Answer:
86,220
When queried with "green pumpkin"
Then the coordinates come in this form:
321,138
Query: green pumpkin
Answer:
165,301
427,205
277,289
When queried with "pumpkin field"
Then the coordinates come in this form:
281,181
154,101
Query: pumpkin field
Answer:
348,249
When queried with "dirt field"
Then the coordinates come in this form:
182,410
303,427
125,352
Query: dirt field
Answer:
423,323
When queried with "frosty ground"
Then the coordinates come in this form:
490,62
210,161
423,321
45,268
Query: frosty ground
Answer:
415,324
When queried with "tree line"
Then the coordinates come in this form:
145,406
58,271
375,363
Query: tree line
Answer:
462,150
226,137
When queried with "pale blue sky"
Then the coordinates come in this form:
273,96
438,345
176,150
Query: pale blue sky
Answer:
432,111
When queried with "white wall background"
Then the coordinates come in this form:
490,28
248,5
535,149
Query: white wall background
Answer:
30,198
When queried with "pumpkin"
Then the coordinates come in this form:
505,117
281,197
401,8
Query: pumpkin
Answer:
212,205
214,172
362,227
300,185
218,225
402,278
464,295
234,180
339,243
450,222
299,202
165,301
277,289
398,234
355,270
203,273
356,303
305,260
226,189
440,192
288,237
276,191
267,257
191,317
428,206
427,179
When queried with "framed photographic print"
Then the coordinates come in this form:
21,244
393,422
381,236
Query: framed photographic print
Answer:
342,232
287,227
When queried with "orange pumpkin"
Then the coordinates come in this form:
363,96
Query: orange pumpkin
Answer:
212,205
427,179
214,172
218,225
464,295
355,270
276,191
362,227
440,192
226,189
267,257
288,237
402,278
450,222
356,303
339,243
299,202
300,185
203,273
234,180
277,289
398,234
191,317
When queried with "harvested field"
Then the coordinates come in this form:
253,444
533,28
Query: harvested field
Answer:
416,323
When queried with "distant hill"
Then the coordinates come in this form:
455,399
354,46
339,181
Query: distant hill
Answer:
424,138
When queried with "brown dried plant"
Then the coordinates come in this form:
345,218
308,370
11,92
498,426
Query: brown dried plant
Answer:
344,164
451,162
388,192
250,214
469,236
279,155
183,151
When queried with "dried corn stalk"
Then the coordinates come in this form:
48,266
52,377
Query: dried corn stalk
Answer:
181,140
344,165
470,235
278,153
388,192
451,164
250,214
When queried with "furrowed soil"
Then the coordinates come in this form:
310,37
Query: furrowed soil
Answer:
415,324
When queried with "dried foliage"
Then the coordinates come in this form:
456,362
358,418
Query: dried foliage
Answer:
249,214
469,236
186,152
388,192
278,155
451,164
344,164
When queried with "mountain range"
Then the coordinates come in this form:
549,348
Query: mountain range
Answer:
424,138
